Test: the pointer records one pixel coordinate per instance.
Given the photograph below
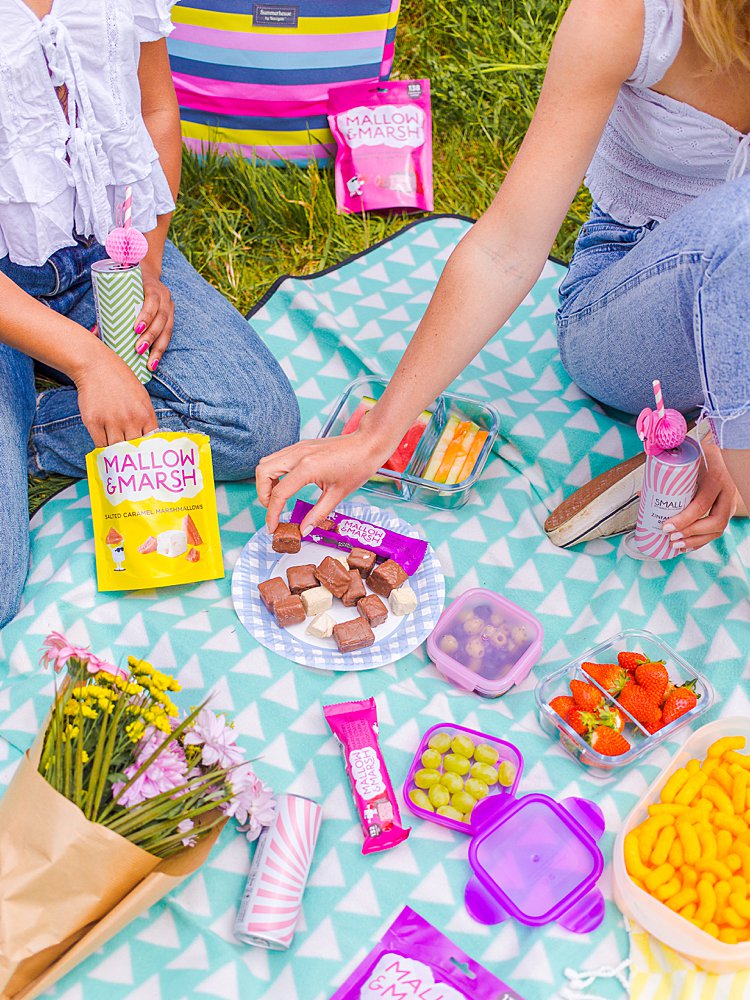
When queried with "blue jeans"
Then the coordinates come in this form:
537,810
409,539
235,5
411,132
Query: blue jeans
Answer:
216,377
667,300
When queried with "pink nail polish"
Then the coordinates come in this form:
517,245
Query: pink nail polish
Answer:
139,328
142,347
152,364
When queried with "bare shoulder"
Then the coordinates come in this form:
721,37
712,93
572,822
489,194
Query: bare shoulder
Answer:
606,34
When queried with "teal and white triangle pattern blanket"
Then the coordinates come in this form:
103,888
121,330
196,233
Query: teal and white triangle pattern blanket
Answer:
328,329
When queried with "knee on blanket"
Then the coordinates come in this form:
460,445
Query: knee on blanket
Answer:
260,417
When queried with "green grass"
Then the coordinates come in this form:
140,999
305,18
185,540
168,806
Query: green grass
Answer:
243,225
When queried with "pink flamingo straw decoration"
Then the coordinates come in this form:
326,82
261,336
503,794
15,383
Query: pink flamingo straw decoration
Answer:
126,245
663,429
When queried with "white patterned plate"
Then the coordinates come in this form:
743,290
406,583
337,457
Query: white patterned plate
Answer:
395,638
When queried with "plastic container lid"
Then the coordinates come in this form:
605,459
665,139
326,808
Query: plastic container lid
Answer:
654,916
536,860
485,643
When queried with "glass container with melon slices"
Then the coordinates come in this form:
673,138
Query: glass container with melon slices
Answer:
441,456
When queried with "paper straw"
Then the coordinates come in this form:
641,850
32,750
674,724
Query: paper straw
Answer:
127,207
658,396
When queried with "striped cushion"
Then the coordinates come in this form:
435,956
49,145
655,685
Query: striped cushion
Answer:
262,90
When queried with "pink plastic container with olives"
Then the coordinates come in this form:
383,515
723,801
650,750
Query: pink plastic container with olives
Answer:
485,643
454,768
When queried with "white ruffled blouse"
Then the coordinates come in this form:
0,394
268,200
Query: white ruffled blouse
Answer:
59,176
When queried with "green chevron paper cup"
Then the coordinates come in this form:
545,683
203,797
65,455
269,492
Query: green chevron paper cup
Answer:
118,294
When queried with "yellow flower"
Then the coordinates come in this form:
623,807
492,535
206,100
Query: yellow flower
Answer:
84,757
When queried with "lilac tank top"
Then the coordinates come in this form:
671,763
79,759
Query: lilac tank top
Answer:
656,154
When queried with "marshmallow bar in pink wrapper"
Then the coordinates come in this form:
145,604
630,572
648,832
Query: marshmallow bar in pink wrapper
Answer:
355,726
349,532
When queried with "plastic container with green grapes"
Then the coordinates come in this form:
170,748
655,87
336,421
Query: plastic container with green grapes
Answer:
454,768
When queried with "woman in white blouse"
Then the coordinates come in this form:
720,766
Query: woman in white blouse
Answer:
87,107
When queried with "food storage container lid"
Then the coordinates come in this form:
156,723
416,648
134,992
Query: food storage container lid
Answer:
536,860
503,661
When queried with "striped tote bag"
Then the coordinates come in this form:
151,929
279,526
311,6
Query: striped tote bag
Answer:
254,77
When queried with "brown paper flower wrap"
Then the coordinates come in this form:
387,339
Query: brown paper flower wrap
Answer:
68,884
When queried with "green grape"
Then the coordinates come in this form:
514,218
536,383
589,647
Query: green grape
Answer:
439,795
453,782
419,798
450,813
486,754
432,759
457,764
440,742
506,773
463,802
484,773
426,778
476,788
462,745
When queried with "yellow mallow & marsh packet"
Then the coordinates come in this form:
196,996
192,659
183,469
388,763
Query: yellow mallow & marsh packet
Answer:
153,505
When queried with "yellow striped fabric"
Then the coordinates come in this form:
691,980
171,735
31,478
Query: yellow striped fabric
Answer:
182,14
254,137
658,973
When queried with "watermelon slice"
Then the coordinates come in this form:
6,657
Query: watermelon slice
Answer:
401,457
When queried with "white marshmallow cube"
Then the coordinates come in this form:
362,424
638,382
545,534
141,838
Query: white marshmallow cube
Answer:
321,627
403,600
316,600
171,543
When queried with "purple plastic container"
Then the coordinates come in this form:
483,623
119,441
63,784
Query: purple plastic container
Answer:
485,643
536,860
508,752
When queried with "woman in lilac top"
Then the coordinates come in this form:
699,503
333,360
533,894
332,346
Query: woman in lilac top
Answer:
650,101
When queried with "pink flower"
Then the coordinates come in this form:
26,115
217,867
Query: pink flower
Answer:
58,650
253,805
185,827
164,774
216,736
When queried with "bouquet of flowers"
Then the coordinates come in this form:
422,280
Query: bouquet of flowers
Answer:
119,799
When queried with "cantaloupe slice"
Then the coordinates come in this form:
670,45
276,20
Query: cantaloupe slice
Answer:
453,450
462,453
440,448
471,459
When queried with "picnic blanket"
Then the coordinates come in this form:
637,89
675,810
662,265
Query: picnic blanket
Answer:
327,329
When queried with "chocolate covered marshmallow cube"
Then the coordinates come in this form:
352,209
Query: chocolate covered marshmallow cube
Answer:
372,609
272,590
386,577
289,611
356,590
287,538
333,576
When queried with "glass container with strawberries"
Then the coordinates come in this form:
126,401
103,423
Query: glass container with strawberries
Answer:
620,700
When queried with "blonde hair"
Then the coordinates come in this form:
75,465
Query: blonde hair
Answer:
722,30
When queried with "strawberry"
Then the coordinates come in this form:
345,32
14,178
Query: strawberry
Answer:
562,705
629,661
581,722
640,704
610,715
654,727
586,696
680,701
654,678
611,677
608,742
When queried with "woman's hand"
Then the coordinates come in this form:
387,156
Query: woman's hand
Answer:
155,322
113,404
337,465
715,502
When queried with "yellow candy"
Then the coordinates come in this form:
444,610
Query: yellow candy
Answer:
420,800
674,784
453,782
439,795
633,863
486,754
462,745
440,742
720,747
663,846
690,843
450,813
668,890
426,778
506,773
659,876
690,789
457,764
463,802
476,788
432,760
485,773
682,898
693,766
